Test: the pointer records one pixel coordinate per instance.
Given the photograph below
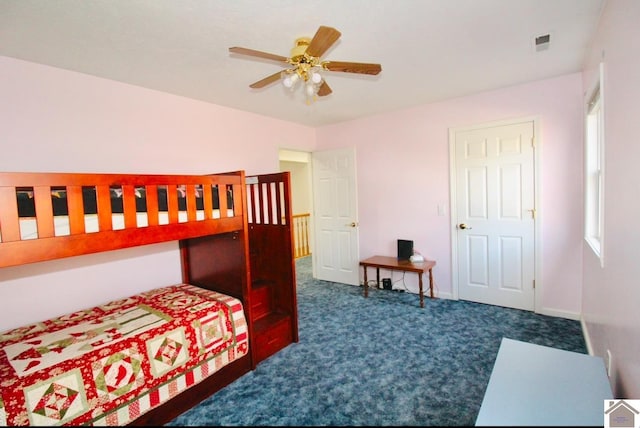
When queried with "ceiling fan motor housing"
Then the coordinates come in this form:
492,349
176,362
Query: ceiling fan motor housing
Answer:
300,48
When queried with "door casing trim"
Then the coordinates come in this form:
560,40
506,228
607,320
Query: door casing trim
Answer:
537,190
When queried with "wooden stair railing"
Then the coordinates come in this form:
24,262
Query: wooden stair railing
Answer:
302,247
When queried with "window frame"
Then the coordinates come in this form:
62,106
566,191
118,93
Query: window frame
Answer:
594,167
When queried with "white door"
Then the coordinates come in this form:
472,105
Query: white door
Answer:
494,214
335,203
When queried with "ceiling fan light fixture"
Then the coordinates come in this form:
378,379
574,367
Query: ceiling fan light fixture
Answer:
306,64
316,77
309,75
290,78
310,89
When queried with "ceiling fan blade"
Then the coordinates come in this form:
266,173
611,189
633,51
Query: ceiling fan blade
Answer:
352,67
324,89
259,54
266,81
324,38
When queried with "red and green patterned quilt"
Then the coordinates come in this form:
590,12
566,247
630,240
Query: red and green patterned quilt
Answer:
112,363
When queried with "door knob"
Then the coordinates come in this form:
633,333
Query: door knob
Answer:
353,224
463,226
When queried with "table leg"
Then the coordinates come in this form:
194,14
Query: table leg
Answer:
378,278
421,293
431,283
365,286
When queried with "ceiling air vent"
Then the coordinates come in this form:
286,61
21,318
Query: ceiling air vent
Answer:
542,42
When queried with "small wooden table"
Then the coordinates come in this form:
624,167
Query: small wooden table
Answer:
393,263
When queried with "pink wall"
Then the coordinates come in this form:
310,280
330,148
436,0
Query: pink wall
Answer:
56,120
403,174
611,295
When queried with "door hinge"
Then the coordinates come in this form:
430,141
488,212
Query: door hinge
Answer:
533,213
533,142
534,284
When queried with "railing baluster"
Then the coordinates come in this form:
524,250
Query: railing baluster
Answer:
302,246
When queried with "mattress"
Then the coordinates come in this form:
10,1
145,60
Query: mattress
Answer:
112,363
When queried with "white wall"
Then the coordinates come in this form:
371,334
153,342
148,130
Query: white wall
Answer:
53,120
403,174
611,302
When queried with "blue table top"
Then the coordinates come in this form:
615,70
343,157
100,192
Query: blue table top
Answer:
538,385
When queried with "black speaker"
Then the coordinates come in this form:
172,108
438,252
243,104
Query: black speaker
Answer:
386,283
405,249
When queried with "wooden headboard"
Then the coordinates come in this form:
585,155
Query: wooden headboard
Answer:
151,209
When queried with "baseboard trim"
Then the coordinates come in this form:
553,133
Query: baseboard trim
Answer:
439,295
545,311
586,336
560,314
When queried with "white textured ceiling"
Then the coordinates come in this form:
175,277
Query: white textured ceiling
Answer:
429,50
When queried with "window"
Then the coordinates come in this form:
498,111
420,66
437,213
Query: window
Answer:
594,169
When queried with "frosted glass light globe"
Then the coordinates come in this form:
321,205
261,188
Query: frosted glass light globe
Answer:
310,90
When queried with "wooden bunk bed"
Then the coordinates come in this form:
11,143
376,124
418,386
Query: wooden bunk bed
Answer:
47,216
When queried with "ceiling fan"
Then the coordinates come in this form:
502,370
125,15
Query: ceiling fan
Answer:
306,63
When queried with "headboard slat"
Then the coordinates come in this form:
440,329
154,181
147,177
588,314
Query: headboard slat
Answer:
172,203
191,202
207,194
103,195
279,202
129,206
76,210
269,201
44,211
239,204
9,223
152,204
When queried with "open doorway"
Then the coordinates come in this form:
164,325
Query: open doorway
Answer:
324,187
298,164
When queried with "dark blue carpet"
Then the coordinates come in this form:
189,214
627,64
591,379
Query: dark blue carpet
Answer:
379,361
